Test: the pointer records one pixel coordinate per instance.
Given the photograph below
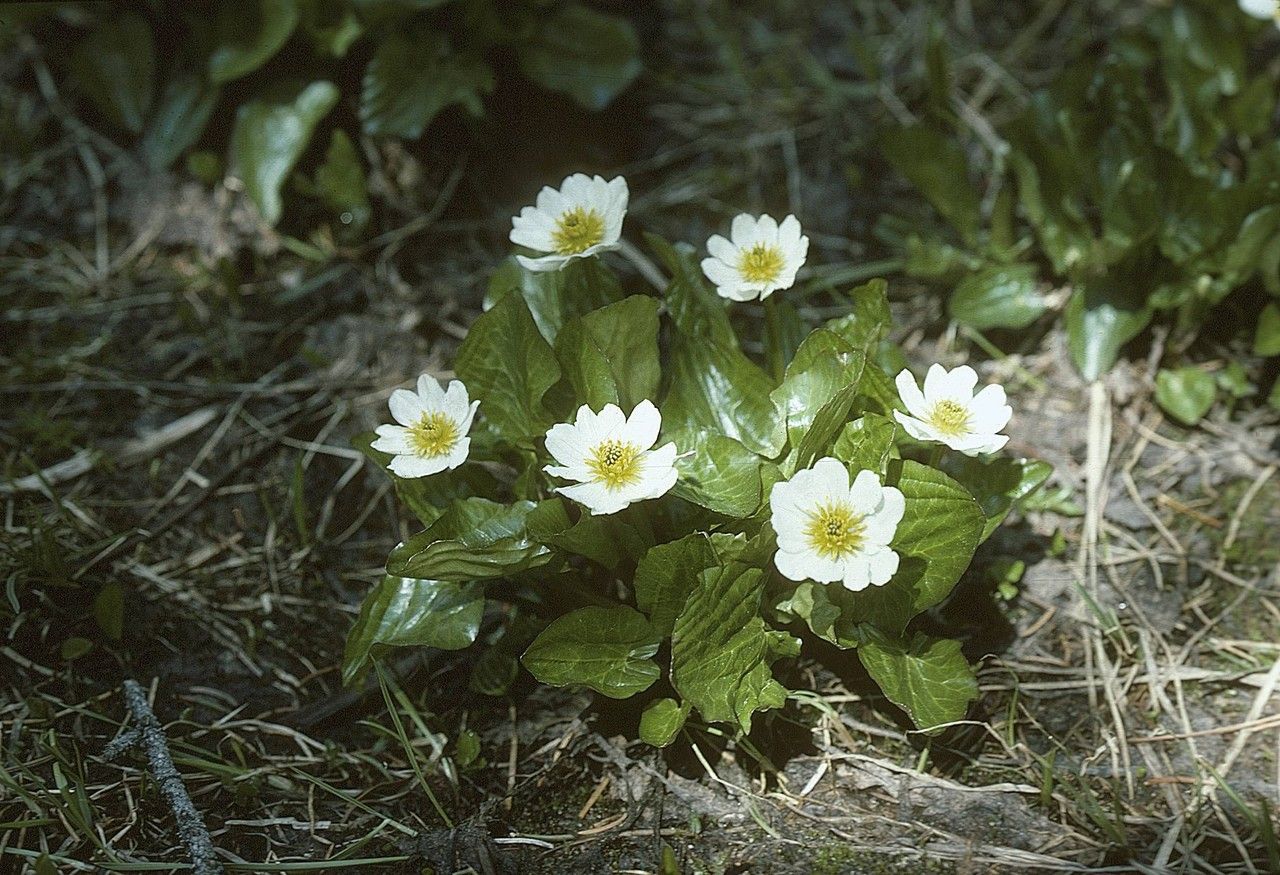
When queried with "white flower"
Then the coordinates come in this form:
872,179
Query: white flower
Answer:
1262,9
432,434
828,530
761,258
948,412
582,218
610,457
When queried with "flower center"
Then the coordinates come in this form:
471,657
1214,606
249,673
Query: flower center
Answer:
834,531
577,230
761,263
615,463
950,418
433,435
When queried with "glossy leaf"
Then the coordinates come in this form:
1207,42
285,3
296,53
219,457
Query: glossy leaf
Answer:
867,443
939,532
412,77
590,56
556,296
1101,318
609,650
476,539
1186,394
999,296
246,35
667,574
721,650
403,611
716,387
611,354
270,135
179,119
115,67
341,184
998,484
509,367
1266,339
720,474
928,678
936,165
662,721
608,540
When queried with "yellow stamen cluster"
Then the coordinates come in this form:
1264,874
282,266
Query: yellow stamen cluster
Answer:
615,463
577,230
950,418
761,263
433,435
835,531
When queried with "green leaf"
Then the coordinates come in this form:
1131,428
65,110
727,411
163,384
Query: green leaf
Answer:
331,24
108,610
929,678
1102,317
75,647
868,320
115,66
555,296
607,540
940,529
1185,394
695,309
667,574
404,611
936,165
590,56
429,497
509,366
611,355
476,539
1266,341
178,121
246,35
867,444
716,387
412,77
606,649
722,475
998,484
998,296
818,392
662,721
721,650
270,135
341,184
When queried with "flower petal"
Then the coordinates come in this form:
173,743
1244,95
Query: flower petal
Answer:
935,383
881,526
417,466
857,573
392,439
883,565
406,407
921,431
743,230
595,496
544,264
642,426
910,394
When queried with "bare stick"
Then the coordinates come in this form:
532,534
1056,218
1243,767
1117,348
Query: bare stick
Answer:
148,735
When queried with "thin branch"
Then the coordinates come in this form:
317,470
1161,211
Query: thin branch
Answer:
148,735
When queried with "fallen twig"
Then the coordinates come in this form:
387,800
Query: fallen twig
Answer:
148,735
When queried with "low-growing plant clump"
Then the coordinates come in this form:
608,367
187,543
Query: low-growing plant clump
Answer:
1144,180
615,495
